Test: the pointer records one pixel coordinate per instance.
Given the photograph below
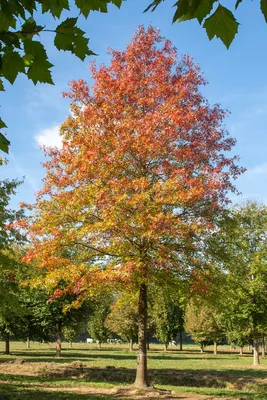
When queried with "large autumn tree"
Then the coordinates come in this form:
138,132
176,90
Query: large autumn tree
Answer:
141,173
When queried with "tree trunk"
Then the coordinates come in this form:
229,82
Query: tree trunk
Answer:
131,344
256,355
263,347
7,344
99,345
241,351
141,379
181,340
70,344
201,348
58,345
165,346
28,342
215,347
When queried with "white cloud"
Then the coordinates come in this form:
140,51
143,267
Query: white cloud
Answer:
260,169
47,97
49,137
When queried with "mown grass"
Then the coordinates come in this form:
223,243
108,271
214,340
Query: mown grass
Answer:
227,374
18,392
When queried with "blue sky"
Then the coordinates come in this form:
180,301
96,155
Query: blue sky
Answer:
237,80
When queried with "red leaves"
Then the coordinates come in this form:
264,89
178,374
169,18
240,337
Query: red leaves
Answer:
142,171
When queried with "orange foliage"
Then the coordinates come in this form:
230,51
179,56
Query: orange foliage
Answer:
141,173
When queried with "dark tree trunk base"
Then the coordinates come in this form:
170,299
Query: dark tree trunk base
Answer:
263,347
181,340
7,345
141,380
215,348
58,347
256,355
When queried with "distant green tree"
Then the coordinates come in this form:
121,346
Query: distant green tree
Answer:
70,333
244,236
58,316
237,332
10,265
204,323
167,312
96,322
123,318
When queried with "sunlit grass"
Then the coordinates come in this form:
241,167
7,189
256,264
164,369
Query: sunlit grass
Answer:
226,374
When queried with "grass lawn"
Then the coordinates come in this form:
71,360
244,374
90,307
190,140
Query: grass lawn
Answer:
84,372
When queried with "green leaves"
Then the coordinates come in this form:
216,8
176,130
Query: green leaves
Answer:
7,21
86,6
18,28
153,5
187,10
264,8
12,65
55,7
222,24
30,28
36,58
93,5
4,143
71,38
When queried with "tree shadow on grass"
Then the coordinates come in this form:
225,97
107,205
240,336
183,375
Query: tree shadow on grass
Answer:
237,379
20,392
68,357
202,357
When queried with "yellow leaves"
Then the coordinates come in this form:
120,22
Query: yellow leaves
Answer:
142,170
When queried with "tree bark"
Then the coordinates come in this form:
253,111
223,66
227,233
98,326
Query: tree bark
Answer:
70,344
58,345
99,345
165,346
7,343
241,350
256,355
263,347
181,340
215,347
131,344
201,348
141,380
28,342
